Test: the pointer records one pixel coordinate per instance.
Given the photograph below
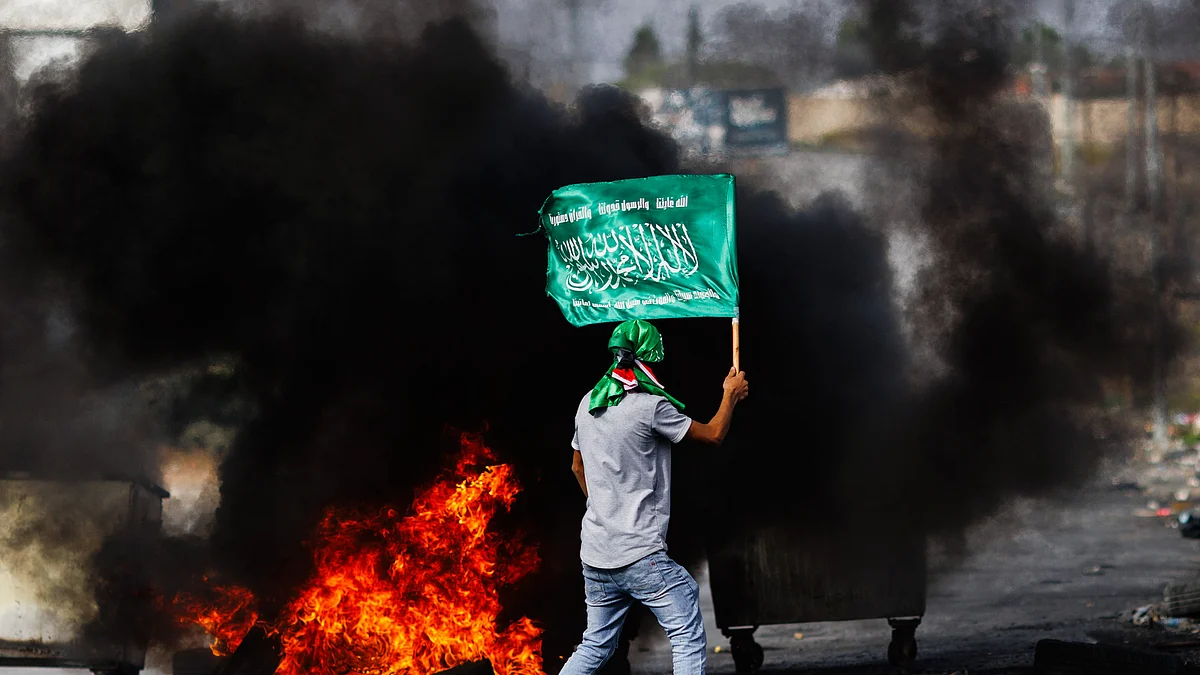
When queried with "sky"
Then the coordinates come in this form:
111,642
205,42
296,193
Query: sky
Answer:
609,24
539,27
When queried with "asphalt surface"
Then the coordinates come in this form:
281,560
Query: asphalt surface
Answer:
1072,569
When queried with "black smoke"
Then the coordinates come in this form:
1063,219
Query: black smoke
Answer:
339,216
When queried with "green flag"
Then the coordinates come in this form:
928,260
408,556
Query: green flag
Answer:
647,248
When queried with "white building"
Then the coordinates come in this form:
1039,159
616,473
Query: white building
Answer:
51,32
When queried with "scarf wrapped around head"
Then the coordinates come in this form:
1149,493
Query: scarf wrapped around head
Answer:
633,344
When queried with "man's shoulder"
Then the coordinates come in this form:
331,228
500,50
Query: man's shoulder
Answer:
645,400
632,402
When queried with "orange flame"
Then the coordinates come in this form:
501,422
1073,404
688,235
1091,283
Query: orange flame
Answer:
227,615
408,595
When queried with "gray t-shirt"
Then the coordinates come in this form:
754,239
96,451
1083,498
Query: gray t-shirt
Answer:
627,463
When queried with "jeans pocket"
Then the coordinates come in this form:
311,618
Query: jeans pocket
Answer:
593,591
593,586
645,578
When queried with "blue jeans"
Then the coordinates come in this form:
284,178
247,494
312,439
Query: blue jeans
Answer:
665,588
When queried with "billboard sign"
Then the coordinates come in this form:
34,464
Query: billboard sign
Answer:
695,118
756,122
714,122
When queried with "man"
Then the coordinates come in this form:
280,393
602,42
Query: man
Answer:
624,429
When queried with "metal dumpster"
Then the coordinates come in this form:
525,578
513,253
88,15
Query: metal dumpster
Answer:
78,515
776,575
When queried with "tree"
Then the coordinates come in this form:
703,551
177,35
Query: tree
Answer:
644,53
1053,50
694,37
851,52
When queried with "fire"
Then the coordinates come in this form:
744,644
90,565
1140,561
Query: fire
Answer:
227,613
411,594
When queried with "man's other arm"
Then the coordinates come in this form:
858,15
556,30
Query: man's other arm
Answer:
735,389
577,469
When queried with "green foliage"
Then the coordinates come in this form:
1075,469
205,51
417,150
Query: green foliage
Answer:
852,32
644,53
695,38
1053,50
885,41
1190,439
1096,154
716,74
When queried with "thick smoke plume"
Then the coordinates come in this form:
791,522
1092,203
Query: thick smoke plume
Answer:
796,43
338,216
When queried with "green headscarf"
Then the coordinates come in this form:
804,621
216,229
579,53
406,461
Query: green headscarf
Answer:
633,344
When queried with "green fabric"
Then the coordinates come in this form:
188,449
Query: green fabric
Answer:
647,248
643,340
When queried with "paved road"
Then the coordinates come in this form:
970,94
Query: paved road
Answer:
1068,570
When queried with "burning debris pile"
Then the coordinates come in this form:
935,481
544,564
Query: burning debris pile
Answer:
337,217
399,593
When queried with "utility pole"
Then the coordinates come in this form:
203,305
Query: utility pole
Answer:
1131,144
1154,207
1070,111
694,38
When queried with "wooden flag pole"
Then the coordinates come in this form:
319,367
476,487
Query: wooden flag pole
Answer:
737,348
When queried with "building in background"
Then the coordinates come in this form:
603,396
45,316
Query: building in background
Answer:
53,34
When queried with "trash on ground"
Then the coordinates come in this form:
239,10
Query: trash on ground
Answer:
1145,616
1189,524
1178,623
1182,600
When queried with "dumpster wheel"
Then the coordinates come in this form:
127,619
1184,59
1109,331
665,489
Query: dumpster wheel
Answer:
902,650
747,654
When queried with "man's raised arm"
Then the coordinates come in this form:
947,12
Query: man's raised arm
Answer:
735,389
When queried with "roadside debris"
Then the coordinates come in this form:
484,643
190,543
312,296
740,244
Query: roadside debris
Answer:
1178,613
1189,524
1179,624
1170,480
1182,600
1145,616
1055,657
